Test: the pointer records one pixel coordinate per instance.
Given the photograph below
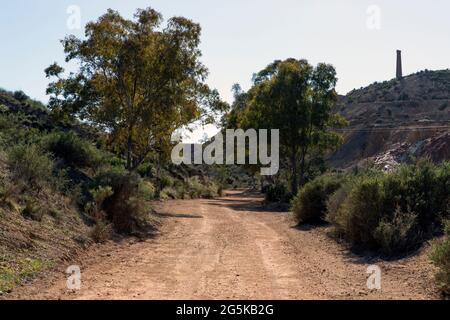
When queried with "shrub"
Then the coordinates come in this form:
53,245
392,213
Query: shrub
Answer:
212,190
126,208
101,232
394,212
398,234
146,190
201,189
441,258
166,181
8,191
20,96
32,211
146,169
336,200
360,213
31,164
74,150
220,190
95,207
276,193
193,188
169,193
310,204
424,189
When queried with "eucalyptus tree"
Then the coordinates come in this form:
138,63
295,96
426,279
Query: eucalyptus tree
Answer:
298,99
138,79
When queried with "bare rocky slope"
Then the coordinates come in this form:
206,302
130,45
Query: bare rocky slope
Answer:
397,120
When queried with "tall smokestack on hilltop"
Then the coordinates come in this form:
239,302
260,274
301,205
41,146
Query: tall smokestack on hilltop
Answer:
399,65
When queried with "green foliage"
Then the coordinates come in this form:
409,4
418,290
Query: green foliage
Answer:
193,188
32,210
99,195
14,131
166,181
21,270
74,150
212,190
126,87
441,259
310,204
399,233
146,169
30,164
101,231
170,193
221,177
337,199
201,189
276,193
146,190
360,213
20,96
287,88
126,208
393,212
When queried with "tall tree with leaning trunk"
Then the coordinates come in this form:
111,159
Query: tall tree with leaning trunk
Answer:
137,79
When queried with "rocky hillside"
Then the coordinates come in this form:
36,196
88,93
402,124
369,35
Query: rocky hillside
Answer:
394,121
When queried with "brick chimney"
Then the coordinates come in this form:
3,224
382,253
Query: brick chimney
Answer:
399,65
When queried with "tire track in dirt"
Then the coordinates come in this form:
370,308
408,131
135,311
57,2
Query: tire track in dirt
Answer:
232,248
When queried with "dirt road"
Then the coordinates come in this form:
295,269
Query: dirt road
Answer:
230,248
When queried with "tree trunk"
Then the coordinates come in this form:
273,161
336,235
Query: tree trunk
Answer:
130,148
294,183
158,177
302,167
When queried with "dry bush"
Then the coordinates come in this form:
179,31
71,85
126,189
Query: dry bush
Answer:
392,212
441,258
310,204
127,207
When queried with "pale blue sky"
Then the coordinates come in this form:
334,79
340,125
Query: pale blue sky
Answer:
241,37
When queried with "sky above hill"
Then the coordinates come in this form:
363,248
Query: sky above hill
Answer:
239,38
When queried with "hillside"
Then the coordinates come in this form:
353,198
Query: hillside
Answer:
396,120
62,189
40,224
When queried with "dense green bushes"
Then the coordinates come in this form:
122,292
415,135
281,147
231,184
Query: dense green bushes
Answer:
126,208
394,212
360,212
441,258
102,230
192,188
390,212
276,193
166,181
310,204
74,150
201,189
170,193
31,165
398,233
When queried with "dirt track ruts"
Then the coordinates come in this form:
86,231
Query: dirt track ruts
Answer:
231,248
